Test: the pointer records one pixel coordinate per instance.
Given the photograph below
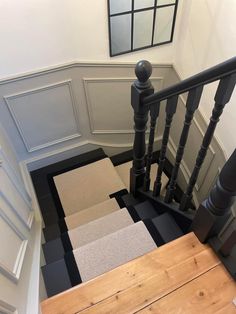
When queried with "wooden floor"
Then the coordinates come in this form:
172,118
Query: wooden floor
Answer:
183,276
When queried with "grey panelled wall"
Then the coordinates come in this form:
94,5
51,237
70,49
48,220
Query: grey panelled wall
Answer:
59,112
65,106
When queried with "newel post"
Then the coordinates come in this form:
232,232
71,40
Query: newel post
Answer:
141,88
215,211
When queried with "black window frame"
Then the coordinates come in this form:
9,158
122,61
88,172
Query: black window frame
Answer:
155,7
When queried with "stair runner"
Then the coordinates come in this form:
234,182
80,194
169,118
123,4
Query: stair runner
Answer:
92,223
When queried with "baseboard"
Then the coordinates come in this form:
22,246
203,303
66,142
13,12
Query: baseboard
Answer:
56,155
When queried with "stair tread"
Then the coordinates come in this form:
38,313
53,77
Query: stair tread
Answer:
145,210
113,250
124,172
87,186
129,200
53,250
100,227
39,176
167,227
56,277
82,235
92,213
80,218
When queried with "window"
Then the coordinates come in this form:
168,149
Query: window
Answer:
139,24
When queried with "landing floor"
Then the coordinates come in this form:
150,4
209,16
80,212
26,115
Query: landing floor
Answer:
181,277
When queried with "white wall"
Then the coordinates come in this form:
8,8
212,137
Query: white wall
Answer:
206,35
40,33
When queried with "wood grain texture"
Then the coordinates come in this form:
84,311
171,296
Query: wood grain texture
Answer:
163,282
143,280
213,292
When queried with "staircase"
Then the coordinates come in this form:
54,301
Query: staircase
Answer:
102,214
103,226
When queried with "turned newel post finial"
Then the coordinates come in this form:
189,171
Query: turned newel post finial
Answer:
141,88
143,71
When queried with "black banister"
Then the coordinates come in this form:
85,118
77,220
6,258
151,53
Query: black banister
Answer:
208,76
193,101
222,97
170,111
141,88
154,113
214,221
215,210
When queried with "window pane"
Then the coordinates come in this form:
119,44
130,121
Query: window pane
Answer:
143,22
163,2
120,33
119,6
140,4
163,25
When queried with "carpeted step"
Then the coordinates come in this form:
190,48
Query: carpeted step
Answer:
113,250
163,229
97,257
82,235
124,172
80,218
87,186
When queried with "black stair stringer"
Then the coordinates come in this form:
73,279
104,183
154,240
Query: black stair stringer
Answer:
183,219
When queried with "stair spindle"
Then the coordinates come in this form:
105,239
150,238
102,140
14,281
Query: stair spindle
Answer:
141,88
222,97
170,111
154,113
192,104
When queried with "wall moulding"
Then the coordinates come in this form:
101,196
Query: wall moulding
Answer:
56,96
118,112
15,235
6,308
75,64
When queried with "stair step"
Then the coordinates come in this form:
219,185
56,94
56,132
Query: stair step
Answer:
145,210
87,186
97,257
124,172
56,277
39,176
142,211
163,229
82,217
113,250
129,200
82,235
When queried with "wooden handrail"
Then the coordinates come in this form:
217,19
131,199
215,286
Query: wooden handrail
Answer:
205,77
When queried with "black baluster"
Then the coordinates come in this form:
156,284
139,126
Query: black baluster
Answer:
170,111
142,87
192,104
214,212
154,112
222,97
